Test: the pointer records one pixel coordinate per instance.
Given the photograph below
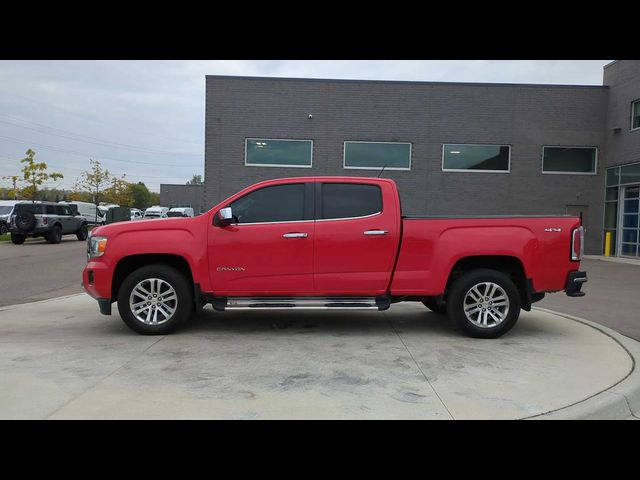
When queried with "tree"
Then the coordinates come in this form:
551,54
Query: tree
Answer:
13,192
140,195
195,180
154,198
118,192
94,181
35,174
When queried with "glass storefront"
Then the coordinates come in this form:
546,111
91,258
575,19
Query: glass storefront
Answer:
622,209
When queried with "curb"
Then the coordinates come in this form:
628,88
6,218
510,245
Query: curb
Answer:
15,305
618,402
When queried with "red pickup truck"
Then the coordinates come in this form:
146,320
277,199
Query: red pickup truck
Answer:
331,243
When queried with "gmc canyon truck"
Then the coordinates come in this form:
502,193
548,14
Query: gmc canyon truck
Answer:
331,243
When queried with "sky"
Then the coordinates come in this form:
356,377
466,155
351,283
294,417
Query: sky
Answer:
145,118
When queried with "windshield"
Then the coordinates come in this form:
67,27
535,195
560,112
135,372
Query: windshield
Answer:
151,214
175,214
5,209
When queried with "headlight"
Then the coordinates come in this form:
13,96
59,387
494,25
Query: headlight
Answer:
96,246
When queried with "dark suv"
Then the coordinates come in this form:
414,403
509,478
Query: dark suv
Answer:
47,219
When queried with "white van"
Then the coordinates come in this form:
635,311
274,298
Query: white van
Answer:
136,214
156,211
180,212
6,208
88,210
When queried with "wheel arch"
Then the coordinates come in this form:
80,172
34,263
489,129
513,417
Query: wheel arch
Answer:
509,265
130,263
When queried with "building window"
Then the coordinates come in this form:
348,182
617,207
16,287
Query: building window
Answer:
635,115
265,152
458,157
377,155
573,160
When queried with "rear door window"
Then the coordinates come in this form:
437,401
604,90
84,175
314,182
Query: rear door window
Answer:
349,200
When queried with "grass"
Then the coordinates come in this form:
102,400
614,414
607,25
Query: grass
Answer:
5,238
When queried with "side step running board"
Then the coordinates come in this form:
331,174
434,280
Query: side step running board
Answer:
301,303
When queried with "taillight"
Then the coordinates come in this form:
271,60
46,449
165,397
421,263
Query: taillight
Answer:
45,220
577,244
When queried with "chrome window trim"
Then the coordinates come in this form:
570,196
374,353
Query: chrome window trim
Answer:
278,165
595,164
348,218
270,223
344,156
471,170
302,221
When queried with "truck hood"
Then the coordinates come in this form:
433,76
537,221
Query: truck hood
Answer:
158,224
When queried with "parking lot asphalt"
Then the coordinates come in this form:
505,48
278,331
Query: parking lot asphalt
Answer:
68,361
37,270
612,297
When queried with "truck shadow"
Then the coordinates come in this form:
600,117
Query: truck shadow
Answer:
411,321
311,323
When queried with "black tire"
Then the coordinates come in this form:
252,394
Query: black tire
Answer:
183,309
55,235
17,239
435,307
3,229
458,293
83,233
25,221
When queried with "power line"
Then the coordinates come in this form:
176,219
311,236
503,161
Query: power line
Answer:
81,154
93,140
133,178
67,112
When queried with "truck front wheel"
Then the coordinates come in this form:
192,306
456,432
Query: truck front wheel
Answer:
155,300
484,303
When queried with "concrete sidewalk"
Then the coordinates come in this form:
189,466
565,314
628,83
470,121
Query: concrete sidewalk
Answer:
60,359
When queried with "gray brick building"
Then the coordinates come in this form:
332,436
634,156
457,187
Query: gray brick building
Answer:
173,195
452,148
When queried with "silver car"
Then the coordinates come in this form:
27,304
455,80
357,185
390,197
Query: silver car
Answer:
47,219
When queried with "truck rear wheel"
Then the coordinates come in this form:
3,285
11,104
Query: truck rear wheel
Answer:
484,303
155,300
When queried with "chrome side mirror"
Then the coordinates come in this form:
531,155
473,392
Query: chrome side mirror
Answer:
224,217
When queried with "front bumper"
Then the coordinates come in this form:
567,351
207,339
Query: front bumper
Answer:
96,280
574,284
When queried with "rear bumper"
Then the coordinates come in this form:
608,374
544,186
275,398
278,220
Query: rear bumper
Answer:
574,284
31,233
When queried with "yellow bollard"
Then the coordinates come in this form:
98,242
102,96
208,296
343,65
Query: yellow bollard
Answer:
607,244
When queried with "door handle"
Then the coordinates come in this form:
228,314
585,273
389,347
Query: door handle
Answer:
295,235
376,232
